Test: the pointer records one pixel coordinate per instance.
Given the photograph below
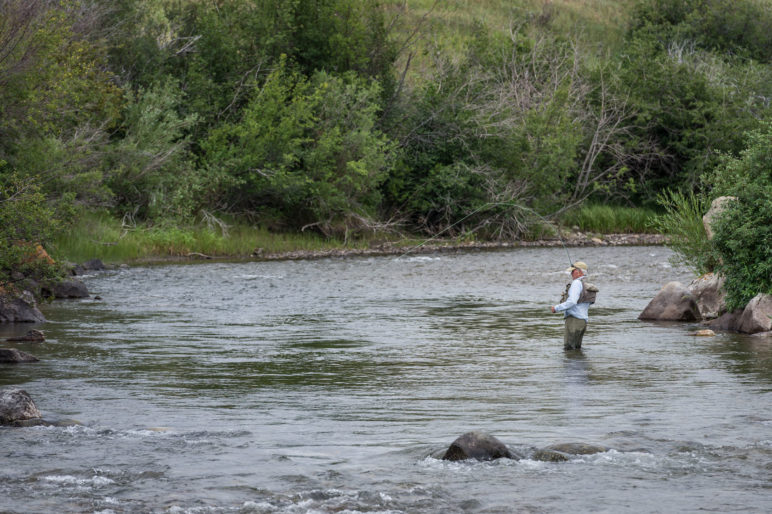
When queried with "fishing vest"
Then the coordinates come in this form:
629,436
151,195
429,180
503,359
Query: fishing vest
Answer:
589,291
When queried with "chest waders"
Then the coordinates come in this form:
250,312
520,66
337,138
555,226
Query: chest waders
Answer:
574,331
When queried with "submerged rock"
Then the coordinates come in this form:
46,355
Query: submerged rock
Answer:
32,336
577,448
563,451
12,355
545,455
674,302
479,446
40,422
20,308
16,406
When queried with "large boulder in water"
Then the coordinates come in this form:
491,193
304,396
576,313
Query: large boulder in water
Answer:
757,315
710,296
16,406
20,308
70,288
479,446
674,302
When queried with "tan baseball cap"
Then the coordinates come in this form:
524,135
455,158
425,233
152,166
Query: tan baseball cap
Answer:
578,265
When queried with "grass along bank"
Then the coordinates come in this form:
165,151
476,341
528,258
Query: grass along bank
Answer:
103,237
100,236
610,219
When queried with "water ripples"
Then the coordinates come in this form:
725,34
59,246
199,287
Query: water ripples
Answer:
331,385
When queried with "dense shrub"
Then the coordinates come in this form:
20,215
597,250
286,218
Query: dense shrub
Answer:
151,173
693,89
306,149
743,233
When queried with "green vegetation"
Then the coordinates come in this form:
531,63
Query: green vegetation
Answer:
611,219
99,235
682,221
739,249
355,119
743,233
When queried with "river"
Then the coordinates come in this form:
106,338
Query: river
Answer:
330,385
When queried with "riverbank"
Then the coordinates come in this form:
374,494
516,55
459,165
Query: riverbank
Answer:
101,236
434,246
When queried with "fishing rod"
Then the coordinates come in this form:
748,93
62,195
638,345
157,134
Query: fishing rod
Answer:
486,206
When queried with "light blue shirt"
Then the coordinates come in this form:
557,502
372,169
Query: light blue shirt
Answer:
571,306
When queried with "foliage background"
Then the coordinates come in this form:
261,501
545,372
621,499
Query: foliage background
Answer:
349,118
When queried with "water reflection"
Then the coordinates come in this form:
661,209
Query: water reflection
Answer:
576,367
747,356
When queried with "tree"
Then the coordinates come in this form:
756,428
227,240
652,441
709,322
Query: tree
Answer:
57,101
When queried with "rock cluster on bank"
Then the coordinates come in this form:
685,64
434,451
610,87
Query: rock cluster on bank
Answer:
704,300
18,303
20,308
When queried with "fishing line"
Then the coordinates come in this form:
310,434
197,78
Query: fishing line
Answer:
486,206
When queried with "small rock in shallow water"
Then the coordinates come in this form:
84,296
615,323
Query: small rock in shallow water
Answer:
549,456
16,405
12,355
577,448
705,333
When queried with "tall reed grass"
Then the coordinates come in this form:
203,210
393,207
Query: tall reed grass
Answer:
609,219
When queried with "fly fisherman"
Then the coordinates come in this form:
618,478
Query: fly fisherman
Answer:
575,305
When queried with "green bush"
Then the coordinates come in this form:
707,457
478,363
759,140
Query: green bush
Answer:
305,148
743,232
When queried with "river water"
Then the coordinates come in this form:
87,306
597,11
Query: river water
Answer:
331,385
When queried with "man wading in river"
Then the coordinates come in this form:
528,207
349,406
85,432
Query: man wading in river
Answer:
575,302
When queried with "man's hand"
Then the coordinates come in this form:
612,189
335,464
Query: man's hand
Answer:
552,308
